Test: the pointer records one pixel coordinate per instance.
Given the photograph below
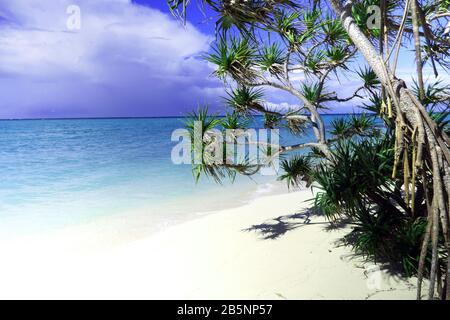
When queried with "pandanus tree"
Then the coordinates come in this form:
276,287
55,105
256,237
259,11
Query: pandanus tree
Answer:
269,43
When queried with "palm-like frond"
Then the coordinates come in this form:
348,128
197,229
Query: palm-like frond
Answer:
369,77
233,121
340,128
233,58
358,168
310,18
245,100
334,31
376,106
336,55
297,169
242,15
364,125
200,119
271,120
271,59
313,93
203,122
287,25
356,125
296,125
435,93
442,118
315,61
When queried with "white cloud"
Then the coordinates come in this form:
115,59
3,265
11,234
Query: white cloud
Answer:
282,106
123,54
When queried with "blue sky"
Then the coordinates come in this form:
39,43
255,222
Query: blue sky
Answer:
198,15
128,59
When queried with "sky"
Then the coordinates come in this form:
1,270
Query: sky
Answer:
121,58
126,60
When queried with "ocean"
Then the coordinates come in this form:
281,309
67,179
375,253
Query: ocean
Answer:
57,173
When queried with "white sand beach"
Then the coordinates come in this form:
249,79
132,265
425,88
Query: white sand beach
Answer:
211,257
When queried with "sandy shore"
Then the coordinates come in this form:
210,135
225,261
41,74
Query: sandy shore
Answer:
285,255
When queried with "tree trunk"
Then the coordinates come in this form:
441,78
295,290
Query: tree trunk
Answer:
415,21
414,113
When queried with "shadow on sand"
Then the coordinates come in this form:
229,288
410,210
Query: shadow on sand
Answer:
277,227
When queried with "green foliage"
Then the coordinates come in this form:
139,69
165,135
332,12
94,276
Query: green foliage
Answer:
310,91
434,92
355,183
310,19
297,169
314,61
245,100
340,128
376,106
285,23
271,59
334,31
296,126
436,101
444,5
204,120
363,125
441,118
369,77
233,121
357,168
233,59
201,121
336,55
271,121
357,186
388,238
362,15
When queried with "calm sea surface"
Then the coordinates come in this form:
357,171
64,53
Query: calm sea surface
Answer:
56,173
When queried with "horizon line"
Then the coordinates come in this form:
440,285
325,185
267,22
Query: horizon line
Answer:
145,117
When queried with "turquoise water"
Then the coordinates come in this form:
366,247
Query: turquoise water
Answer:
59,172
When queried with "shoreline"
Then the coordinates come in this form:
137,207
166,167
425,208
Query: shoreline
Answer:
266,249
156,216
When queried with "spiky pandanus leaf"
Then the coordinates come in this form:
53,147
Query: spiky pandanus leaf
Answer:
297,169
334,31
340,128
202,118
220,167
363,125
336,55
313,93
315,61
245,100
233,121
355,125
440,113
233,58
239,14
286,24
310,18
271,59
271,121
435,93
377,106
369,77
